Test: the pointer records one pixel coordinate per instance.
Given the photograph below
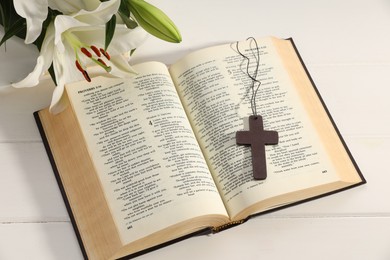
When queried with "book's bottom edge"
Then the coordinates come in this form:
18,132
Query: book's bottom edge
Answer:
202,232
362,182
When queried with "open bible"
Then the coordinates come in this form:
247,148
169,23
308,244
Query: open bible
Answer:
144,162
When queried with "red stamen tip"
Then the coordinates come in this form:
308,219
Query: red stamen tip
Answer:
105,54
96,50
102,62
86,52
79,66
86,76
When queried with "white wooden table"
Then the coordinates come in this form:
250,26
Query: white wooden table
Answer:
346,47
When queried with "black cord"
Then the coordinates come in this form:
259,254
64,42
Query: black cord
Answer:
255,81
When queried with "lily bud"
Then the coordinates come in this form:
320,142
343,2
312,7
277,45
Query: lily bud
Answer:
154,21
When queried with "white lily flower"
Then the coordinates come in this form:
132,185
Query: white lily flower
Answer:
74,41
102,11
35,13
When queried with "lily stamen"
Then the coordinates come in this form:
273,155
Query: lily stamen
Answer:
96,50
78,66
108,57
83,71
86,52
86,76
98,53
102,62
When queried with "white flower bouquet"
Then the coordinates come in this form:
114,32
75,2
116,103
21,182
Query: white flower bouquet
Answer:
71,34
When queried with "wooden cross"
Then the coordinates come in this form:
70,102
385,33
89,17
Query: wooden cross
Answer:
257,138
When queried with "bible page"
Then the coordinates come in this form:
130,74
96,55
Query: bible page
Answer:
214,87
144,151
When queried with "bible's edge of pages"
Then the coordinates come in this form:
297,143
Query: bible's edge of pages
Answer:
344,144
59,182
205,231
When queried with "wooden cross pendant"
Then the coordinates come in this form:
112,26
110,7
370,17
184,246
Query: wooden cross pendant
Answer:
257,138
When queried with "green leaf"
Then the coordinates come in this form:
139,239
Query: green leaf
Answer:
52,74
130,23
8,17
124,13
16,28
110,30
123,8
3,20
5,7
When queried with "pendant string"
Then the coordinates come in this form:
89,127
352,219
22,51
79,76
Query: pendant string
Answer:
255,85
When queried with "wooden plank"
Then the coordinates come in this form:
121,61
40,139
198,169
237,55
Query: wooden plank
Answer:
17,59
16,111
357,97
272,238
38,241
344,44
28,189
326,32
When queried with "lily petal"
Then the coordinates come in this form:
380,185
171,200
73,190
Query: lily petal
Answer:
44,61
35,13
124,39
58,102
73,6
99,16
121,67
63,23
83,18
65,73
